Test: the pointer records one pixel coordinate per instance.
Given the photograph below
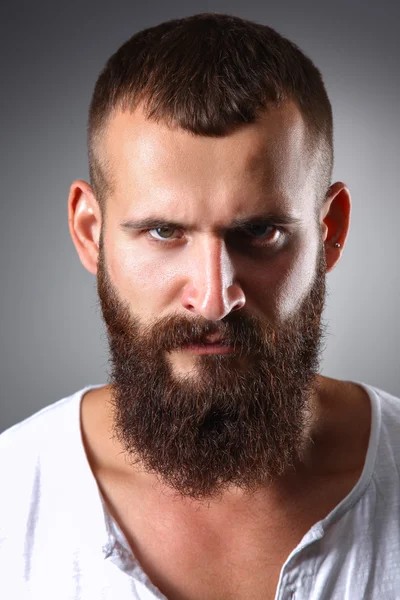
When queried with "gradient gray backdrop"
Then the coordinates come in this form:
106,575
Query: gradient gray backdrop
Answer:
52,341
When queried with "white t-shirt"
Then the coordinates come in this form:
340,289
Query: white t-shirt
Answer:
58,542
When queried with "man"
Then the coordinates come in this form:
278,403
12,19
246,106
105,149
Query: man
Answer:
217,463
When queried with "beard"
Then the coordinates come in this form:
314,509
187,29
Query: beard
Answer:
237,420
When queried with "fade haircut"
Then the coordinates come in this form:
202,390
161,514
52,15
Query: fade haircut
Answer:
206,74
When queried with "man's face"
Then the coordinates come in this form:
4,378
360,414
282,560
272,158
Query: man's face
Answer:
188,251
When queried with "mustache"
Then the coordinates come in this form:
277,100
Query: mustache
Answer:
174,331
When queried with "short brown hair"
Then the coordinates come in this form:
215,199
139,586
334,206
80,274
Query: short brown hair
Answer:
207,73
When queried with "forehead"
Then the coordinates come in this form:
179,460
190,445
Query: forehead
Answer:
160,164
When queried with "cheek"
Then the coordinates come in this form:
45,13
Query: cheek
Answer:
295,286
277,288
142,278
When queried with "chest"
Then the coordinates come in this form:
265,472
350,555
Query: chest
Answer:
193,564
221,588
194,574
186,561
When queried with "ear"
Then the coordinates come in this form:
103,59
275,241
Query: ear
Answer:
84,221
335,222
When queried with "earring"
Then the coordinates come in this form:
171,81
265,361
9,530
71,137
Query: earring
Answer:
337,245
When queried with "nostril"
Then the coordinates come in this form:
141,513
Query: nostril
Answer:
238,304
237,307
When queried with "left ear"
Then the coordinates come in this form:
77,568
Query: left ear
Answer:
335,222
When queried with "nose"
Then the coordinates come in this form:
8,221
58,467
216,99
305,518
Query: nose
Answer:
211,291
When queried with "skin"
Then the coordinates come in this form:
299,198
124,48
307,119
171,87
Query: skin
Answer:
205,183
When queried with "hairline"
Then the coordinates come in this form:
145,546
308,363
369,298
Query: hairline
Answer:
316,143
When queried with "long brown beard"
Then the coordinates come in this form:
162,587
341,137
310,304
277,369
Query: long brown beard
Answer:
225,425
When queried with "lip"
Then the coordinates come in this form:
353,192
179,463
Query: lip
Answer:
209,349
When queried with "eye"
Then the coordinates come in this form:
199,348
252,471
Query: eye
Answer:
163,233
264,234
259,230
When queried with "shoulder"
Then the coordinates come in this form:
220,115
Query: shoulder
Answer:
384,450
387,408
390,403
48,493
33,451
34,431
388,417
53,414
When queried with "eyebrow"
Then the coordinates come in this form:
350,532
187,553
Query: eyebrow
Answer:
153,222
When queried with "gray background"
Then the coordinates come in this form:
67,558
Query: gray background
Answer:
52,341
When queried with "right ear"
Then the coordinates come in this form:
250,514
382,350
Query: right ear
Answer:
84,221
